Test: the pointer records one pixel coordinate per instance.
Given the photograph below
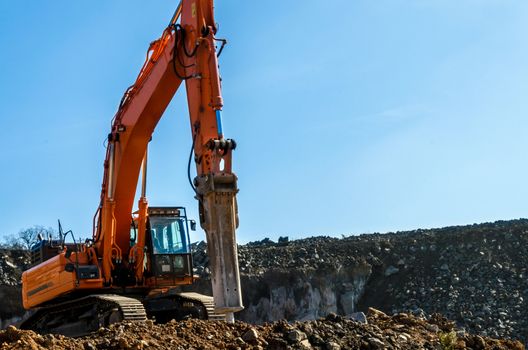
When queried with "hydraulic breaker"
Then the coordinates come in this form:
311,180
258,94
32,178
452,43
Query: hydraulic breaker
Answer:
219,219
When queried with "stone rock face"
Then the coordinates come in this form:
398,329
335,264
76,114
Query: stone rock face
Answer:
475,275
302,295
12,262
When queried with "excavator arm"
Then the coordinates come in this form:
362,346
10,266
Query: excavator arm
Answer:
186,52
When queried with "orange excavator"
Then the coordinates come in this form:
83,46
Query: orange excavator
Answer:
136,262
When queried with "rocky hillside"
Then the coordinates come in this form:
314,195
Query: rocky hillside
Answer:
377,331
12,262
475,275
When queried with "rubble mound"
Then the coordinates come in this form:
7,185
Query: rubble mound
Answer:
12,262
376,331
474,275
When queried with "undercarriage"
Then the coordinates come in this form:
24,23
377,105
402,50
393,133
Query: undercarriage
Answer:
84,315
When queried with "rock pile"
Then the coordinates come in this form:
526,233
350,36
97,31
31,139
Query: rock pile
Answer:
379,331
11,264
475,275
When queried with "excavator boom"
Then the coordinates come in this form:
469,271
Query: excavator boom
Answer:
185,52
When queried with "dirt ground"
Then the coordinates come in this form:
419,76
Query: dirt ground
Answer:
375,331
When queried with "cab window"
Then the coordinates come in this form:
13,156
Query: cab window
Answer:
168,235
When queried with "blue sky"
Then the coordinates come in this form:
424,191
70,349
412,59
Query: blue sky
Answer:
350,116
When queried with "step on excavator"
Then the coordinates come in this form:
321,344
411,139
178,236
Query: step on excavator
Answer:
136,262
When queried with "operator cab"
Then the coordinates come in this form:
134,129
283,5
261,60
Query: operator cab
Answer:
169,242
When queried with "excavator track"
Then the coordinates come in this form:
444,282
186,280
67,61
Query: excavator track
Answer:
165,307
208,303
131,309
84,315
